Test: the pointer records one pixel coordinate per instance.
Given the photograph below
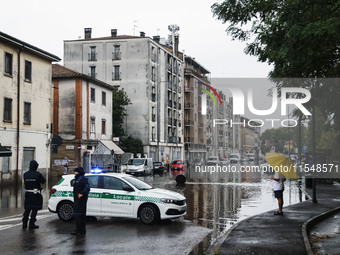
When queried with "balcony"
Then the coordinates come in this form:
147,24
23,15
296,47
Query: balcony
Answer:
189,106
172,139
189,123
188,139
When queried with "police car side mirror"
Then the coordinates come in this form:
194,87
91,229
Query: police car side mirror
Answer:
128,188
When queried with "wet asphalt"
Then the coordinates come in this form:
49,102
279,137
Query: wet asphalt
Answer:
106,236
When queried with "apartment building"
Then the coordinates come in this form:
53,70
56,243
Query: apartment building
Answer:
25,107
151,72
196,129
82,116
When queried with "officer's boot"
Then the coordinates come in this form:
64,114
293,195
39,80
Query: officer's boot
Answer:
24,220
24,223
32,224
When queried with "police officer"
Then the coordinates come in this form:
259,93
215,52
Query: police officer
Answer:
81,190
33,199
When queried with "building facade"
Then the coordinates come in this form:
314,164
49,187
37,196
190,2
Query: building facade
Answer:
82,116
151,73
25,107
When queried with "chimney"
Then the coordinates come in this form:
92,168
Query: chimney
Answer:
142,34
156,38
88,32
113,32
176,44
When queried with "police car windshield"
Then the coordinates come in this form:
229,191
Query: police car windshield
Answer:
137,183
136,161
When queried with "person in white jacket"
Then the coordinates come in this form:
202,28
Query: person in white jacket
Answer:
278,185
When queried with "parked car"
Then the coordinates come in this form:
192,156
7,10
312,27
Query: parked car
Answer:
158,168
139,166
212,160
251,156
178,165
118,195
225,161
234,158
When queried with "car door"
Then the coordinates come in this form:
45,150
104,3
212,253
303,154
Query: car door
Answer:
115,200
94,203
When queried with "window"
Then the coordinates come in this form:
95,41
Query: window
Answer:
116,73
153,74
27,113
114,183
8,63
5,163
28,71
93,71
103,98
153,111
103,127
92,124
8,109
93,95
116,52
153,134
93,54
93,181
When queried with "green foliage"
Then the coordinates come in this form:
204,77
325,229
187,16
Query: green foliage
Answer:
278,136
119,102
132,145
299,38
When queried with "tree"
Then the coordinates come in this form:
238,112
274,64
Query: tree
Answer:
133,145
119,102
300,38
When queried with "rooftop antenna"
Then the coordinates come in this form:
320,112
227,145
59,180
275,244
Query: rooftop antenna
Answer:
134,27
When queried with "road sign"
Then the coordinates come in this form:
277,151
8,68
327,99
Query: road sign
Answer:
305,149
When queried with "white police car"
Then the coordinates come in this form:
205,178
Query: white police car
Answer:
118,195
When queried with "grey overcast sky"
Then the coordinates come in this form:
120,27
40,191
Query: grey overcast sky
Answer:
46,24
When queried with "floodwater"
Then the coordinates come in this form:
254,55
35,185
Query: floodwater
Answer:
215,200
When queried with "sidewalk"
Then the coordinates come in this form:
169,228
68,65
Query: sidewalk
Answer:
274,234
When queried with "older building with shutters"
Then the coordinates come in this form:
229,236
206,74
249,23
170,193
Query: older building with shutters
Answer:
82,116
25,107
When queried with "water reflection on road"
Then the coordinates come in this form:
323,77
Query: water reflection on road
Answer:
220,199
214,200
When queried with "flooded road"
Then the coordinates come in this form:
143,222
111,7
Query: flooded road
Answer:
214,200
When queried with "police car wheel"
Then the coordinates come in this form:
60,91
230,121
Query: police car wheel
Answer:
148,214
65,211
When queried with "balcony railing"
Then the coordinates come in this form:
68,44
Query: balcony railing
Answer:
172,139
189,123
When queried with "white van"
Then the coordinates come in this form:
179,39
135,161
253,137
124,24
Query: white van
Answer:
234,158
212,160
138,166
